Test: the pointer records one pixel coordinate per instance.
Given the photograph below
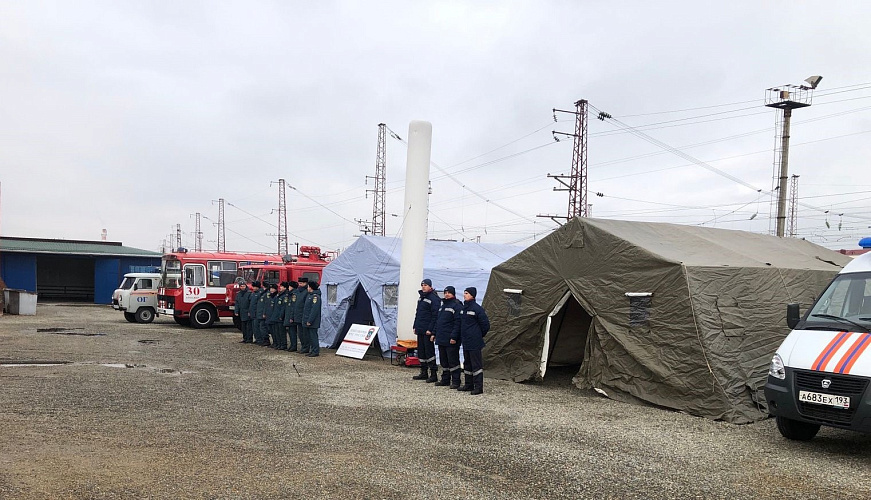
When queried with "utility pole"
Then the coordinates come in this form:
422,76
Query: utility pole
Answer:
576,182
282,218
785,98
178,236
222,235
792,227
198,236
377,225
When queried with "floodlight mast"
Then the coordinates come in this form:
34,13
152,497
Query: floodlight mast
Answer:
785,98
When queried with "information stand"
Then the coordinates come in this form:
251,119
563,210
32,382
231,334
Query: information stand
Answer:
357,341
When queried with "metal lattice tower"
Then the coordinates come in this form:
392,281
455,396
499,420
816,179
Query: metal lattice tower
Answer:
792,226
177,236
222,236
198,236
380,192
577,180
282,219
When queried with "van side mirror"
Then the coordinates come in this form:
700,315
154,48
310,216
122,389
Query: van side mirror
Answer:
136,286
793,316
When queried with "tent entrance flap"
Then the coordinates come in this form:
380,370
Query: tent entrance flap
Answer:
359,312
565,334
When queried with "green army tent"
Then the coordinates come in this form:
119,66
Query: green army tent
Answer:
683,317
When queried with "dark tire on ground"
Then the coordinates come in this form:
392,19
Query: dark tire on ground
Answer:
182,321
203,316
795,430
145,315
130,317
237,322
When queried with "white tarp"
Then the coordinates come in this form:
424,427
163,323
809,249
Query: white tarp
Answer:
373,261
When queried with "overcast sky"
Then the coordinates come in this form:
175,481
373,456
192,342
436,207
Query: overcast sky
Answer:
133,116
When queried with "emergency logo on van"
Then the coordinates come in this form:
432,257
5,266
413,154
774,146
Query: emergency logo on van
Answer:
848,358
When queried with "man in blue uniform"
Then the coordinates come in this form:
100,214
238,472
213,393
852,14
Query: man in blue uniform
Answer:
311,317
299,305
261,334
269,313
253,300
279,336
424,322
289,306
474,324
241,311
447,337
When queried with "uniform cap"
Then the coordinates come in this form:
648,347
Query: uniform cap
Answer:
255,283
294,284
426,281
285,284
472,291
273,285
313,285
303,280
451,290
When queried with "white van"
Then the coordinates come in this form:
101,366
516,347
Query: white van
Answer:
821,372
137,297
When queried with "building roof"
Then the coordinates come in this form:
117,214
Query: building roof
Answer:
10,244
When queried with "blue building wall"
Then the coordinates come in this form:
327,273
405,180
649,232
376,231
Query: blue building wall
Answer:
107,276
19,271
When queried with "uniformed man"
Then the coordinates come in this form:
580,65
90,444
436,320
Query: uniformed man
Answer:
424,321
269,311
474,324
241,311
262,335
447,337
276,319
289,307
253,301
301,294
311,316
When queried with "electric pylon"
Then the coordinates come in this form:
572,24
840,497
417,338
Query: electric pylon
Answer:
792,226
198,236
577,180
282,218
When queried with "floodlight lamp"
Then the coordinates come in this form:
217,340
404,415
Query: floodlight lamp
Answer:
813,81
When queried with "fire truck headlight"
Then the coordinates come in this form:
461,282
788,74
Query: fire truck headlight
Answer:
776,369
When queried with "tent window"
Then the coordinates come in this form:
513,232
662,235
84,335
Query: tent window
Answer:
639,310
390,293
513,299
332,294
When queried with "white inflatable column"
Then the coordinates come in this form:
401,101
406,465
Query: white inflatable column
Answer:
413,225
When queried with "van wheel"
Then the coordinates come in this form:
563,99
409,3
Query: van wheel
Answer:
130,317
182,321
145,315
795,430
202,316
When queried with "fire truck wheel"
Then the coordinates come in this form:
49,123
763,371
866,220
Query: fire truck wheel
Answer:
182,321
202,316
145,315
130,317
795,430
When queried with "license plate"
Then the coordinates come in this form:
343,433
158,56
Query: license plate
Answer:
824,399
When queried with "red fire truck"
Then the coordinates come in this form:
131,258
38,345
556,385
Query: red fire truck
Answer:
308,264
193,289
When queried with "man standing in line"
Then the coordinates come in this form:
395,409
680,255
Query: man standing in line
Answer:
241,311
289,306
312,318
272,298
261,332
279,336
447,337
474,324
253,300
301,331
424,323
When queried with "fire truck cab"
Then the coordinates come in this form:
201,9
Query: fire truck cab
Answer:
821,372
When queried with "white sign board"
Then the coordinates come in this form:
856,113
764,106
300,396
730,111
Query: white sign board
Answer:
357,341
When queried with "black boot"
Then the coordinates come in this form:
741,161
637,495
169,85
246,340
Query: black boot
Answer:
469,386
446,378
479,384
434,375
423,375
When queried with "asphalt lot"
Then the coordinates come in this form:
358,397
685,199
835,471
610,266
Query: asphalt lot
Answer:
163,411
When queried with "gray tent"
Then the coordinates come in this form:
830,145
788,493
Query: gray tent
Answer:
683,317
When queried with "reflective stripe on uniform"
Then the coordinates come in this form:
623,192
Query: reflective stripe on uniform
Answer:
427,360
478,372
467,372
455,368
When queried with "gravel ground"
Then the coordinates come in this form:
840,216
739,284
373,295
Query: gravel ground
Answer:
194,414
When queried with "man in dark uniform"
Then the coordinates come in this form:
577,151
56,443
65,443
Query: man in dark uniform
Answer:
279,336
262,335
253,300
447,337
241,311
424,322
301,294
269,312
311,317
289,306
474,324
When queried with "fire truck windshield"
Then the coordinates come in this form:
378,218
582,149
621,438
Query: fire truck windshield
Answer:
171,273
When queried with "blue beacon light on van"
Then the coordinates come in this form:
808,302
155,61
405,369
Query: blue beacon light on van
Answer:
865,242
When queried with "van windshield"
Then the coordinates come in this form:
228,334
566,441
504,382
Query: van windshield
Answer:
127,283
849,296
